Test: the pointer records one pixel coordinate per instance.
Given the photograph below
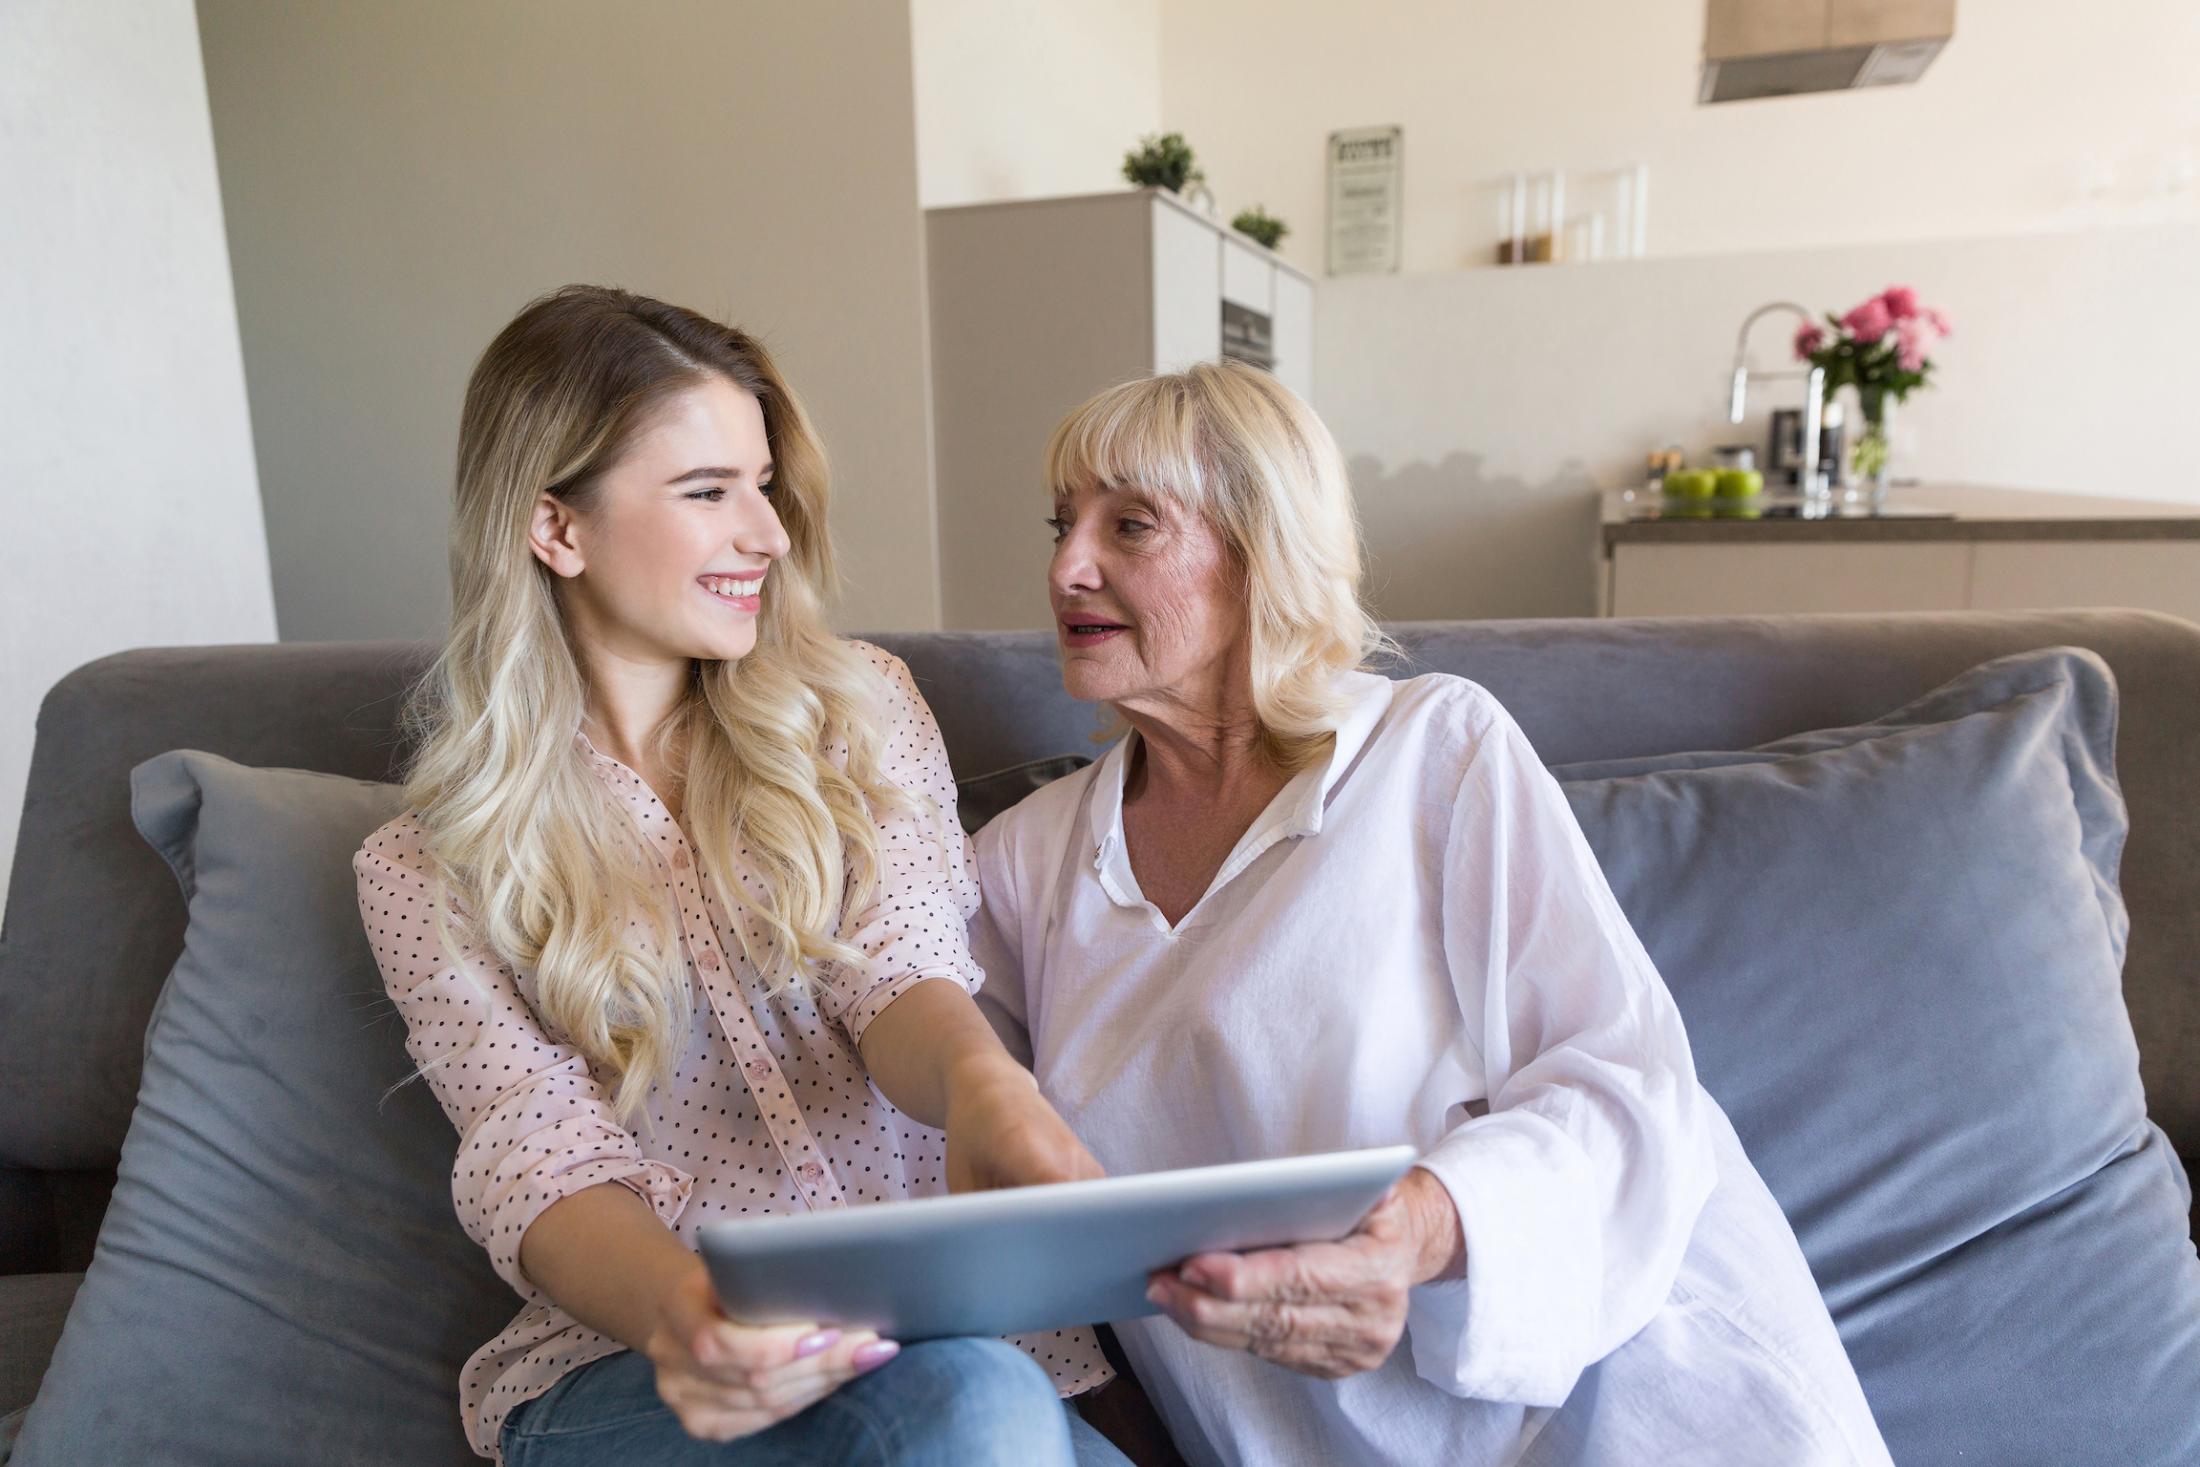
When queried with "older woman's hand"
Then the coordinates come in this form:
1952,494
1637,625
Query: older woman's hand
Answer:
1323,1309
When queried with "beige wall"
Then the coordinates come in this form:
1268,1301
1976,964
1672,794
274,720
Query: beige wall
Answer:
127,488
400,177
2030,100
1480,409
1024,101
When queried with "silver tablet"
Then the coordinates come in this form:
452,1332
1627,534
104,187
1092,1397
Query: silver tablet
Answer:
1031,1258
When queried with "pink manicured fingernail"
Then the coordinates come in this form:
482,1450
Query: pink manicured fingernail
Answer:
823,1340
875,1354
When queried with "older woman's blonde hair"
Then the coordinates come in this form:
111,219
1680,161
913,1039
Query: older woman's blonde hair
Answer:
528,845
1230,443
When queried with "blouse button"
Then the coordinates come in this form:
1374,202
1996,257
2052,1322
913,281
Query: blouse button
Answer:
811,1171
709,959
758,1067
680,859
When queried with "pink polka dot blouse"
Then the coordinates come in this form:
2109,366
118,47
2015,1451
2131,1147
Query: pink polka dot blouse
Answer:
769,1110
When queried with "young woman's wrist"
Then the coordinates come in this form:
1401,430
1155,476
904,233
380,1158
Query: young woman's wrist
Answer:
983,1069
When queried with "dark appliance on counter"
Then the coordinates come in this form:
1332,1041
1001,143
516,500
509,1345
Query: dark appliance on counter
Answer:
1784,451
1248,336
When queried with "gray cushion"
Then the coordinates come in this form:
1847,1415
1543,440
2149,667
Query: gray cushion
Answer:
1897,949
979,799
280,1278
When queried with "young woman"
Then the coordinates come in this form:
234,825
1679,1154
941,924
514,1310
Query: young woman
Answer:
676,922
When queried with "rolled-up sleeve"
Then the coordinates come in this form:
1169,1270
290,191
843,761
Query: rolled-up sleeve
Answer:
996,943
913,927
533,1124
1578,1191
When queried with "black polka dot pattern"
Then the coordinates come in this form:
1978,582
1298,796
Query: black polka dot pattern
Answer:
768,1110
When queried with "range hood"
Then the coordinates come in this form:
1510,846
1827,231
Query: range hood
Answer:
1777,48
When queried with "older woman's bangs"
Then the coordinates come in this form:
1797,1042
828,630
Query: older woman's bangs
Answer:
1144,435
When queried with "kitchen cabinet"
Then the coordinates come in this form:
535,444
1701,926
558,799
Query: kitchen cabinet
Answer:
1037,304
1936,547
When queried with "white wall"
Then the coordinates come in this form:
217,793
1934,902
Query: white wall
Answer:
2030,100
126,476
1480,409
401,177
1022,101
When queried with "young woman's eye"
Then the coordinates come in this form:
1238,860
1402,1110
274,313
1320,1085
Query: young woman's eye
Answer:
769,488
707,493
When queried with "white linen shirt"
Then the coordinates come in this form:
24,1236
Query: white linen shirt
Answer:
1414,943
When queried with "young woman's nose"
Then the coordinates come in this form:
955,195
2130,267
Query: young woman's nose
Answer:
758,531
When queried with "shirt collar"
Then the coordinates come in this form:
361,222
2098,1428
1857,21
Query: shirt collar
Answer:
1298,806
588,746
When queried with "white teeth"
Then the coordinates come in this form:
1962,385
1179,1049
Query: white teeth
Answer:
725,586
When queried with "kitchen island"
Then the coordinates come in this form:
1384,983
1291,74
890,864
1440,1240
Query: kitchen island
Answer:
1932,547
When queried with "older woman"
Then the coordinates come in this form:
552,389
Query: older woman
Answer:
1300,907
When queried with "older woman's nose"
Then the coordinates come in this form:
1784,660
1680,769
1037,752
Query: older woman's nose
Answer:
1074,568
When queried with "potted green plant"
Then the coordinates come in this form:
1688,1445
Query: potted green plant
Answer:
1260,226
1163,161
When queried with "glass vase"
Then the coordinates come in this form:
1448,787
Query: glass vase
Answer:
1873,459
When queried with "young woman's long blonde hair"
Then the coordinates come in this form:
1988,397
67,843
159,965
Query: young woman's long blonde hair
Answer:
1231,444
528,844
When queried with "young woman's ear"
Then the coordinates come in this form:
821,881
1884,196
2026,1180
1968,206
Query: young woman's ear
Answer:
553,535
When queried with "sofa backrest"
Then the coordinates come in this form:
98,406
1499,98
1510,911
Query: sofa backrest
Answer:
94,920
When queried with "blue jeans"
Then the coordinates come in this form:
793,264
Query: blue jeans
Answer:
939,1403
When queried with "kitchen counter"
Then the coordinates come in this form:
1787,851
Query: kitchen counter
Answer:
1912,513
1931,547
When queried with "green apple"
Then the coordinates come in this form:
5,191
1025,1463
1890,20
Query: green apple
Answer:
1739,483
1691,483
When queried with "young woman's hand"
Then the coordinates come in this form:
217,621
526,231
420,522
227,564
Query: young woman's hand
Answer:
1002,1133
726,1380
1322,1309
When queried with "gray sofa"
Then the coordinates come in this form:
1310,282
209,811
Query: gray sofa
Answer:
95,922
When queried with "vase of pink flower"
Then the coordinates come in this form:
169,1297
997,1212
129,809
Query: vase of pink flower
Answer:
1879,347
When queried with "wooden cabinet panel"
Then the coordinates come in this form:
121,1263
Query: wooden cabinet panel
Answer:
1725,580
2158,575
1187,292
1247,277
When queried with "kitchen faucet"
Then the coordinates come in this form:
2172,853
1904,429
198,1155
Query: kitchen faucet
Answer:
1814,392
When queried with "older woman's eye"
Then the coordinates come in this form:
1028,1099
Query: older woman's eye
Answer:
1058,525
1133,528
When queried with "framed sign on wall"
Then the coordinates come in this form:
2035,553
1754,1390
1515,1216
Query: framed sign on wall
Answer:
1365,168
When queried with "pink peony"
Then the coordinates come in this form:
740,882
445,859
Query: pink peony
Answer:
1869,321
1911,339
1901,301
1808,340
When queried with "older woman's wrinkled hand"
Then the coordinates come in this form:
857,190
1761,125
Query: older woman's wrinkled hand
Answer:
1323,1309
